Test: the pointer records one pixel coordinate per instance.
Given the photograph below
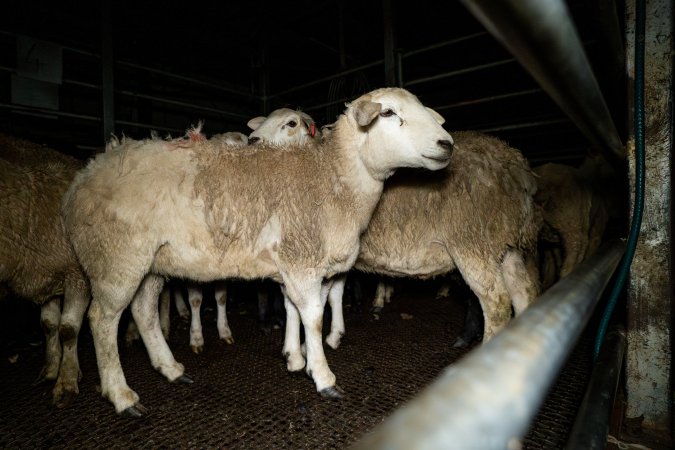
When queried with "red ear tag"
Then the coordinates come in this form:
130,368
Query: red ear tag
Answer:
312,130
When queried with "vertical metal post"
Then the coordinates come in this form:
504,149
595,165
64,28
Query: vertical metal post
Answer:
389,44
263,71
650,291
399,68
591,426
107,68
341,35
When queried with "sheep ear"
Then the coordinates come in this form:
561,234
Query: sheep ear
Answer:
254,123
366,111
436,116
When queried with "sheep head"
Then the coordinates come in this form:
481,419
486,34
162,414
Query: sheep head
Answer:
394,129
283,126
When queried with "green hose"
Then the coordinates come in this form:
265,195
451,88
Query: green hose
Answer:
639,130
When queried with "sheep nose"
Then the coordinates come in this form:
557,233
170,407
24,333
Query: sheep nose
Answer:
446,144
253,140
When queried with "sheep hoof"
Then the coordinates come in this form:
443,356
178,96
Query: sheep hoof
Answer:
332,392
460,343
197,348
65,399
183,379
376,309
42,378
134,412
229,340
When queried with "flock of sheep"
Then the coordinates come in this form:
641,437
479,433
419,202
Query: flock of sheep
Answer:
288,203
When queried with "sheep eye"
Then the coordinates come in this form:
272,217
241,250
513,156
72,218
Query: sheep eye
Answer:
292,124
387,113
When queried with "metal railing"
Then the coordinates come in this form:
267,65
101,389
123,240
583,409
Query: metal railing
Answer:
488,399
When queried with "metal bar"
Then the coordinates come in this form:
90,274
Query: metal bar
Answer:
189,79
388,26
541,35
161,100
186,105
50,112
453,73
152,70
333,102
591,425
444,44
328,78
488,99
107,67
519,126
488,399
148,126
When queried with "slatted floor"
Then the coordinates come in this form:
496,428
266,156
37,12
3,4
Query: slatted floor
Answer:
244,398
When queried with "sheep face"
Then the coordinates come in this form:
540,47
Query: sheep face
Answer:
398,131
283,126
233,138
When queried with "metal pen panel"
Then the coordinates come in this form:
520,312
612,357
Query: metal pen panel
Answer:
541,35
488,399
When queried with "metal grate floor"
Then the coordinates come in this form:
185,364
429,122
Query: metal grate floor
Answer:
244,398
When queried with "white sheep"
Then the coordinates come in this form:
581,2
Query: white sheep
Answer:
152,209
477,216
37,262
230,139
282,126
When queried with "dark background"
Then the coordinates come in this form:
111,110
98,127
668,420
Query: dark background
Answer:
245,52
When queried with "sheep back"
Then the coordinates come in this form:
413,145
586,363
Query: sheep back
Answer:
203,210
478,207
35,256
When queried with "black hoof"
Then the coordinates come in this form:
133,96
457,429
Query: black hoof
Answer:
42,378
183,379
134,412
65,399
460,343
333,392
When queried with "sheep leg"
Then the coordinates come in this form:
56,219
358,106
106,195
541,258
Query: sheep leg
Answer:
489,287
388,292
196,336
443,291
378,301
145,312
221,319
520,281
50,317
337,325
179,301
295,362
108,302
264,322
75,302
164,311
277,306
308,295
132,333
473,324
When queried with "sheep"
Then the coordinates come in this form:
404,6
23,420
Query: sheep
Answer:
230,139
575,216
37,261
478,216
281,127
282,131
147,210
